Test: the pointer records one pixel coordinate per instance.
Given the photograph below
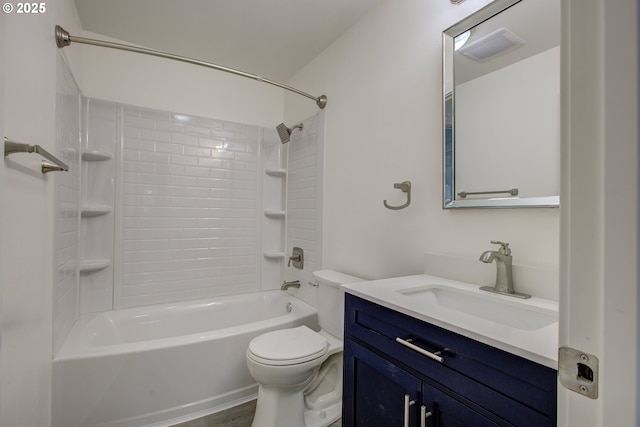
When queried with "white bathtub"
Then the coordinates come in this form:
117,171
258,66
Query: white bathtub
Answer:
162,364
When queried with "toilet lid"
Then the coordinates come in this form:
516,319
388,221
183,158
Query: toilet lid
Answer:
288,346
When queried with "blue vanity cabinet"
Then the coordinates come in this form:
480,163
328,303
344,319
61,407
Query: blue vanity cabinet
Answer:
474,385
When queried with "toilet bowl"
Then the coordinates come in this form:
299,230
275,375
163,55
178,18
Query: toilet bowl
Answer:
299,370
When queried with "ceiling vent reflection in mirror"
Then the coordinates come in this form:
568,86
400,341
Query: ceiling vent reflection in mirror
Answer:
500,41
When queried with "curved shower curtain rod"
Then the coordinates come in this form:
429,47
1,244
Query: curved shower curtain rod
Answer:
63,38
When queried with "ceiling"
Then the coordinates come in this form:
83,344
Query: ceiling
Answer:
271,38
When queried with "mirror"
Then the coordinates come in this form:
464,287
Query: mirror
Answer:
501,79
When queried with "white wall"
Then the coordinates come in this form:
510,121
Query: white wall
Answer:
27,233
384,125
146,81
29,86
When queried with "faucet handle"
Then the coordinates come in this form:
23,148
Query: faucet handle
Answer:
504,247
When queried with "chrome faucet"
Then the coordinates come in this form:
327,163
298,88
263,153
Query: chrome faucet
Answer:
504,276
292,284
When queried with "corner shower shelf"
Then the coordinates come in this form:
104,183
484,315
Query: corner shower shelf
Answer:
279,173
90,211
273,254
95,156
88,266
274,214
93,265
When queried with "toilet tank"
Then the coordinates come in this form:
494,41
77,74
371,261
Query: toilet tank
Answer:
331,300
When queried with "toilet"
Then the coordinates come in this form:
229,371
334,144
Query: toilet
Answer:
299,370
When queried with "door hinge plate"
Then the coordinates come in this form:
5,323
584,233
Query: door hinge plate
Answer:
578,371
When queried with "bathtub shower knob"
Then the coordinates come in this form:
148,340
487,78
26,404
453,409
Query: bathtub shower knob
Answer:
297,257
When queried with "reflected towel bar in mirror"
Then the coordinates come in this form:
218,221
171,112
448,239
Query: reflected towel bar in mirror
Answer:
463,194
53,164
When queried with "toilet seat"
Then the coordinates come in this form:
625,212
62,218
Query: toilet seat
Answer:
288,346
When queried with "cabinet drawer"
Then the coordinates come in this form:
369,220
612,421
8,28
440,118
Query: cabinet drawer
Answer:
513,387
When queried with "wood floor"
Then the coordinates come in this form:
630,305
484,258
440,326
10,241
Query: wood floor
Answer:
238,416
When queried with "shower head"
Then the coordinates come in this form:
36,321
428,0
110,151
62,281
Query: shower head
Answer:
285,133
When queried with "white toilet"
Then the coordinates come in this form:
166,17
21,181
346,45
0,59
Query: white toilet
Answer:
299,370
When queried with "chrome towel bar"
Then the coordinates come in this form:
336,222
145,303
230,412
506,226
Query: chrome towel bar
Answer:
53,164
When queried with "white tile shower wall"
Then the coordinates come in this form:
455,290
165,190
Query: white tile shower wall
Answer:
190,208
304,200
65,295
100,136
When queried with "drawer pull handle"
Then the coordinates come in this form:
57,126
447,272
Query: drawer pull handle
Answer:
435,356
424,415
407,403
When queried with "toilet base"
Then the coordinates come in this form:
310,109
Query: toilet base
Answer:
289,410
324,417
279,408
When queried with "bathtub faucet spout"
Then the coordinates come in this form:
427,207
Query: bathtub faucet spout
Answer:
293,284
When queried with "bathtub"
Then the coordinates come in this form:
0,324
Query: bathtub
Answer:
163,364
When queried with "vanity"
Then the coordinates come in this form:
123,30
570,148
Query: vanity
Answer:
427,351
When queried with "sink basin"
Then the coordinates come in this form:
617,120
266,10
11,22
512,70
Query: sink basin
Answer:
514,314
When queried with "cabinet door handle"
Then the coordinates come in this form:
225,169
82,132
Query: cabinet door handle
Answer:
435,356
407,403
424,415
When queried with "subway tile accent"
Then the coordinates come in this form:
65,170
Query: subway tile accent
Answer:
190,208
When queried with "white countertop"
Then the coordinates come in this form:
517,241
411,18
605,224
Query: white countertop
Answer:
539,344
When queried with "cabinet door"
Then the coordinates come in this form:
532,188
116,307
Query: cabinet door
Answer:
375,390
449,412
